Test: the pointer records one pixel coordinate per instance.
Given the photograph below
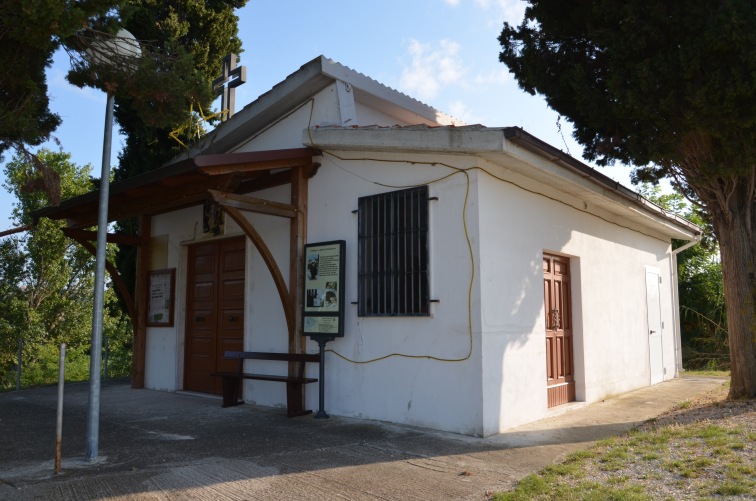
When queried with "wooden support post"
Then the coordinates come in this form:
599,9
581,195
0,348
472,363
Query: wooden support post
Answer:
297,239
269,260
141,292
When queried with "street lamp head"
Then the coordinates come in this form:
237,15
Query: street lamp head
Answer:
120,50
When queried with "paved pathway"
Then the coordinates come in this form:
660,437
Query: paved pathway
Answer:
169,446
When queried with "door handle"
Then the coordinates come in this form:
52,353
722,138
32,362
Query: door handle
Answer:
652,331
556,319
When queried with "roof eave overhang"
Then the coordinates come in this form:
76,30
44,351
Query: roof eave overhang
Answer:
501,146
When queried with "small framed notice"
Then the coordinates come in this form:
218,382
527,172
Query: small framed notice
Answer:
162,290
323,306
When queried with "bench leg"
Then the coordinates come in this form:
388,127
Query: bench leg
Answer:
295,400
231,391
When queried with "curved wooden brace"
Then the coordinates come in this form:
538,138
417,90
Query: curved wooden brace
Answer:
113,271
267,256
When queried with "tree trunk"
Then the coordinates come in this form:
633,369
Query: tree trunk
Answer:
733,219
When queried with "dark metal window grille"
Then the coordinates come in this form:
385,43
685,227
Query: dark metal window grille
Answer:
393,254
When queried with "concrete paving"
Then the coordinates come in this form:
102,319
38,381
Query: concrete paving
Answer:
170,446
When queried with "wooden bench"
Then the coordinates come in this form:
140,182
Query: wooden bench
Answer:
294,384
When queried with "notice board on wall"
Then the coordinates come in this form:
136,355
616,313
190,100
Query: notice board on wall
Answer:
161,300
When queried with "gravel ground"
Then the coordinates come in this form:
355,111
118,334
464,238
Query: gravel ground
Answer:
703,449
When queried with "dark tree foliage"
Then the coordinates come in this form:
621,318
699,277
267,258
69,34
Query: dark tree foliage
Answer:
30,32
669,87
183,44
202,33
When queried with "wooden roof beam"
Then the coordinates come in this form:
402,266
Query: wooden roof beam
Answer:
253,204
216,170
112,238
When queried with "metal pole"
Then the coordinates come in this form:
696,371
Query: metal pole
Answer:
106,340
93,415
18,365
321,382
59,421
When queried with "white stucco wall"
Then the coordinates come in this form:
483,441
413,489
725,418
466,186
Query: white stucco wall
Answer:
165,345
324,110
442,393
519,223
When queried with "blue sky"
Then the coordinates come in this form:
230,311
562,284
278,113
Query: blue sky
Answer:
442,52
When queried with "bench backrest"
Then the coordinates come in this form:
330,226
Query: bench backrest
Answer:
282,357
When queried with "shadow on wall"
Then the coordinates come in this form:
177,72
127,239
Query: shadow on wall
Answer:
513,318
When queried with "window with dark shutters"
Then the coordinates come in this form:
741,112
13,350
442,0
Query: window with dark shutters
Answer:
393,254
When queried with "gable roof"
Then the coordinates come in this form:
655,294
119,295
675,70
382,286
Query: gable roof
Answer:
304,84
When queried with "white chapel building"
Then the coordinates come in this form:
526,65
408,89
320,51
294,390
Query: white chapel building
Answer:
487,278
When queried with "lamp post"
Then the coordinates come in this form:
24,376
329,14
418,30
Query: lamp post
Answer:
124,45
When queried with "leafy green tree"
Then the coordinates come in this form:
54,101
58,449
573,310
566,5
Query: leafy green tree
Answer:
669,87
47,282
703,320
11,306
205,32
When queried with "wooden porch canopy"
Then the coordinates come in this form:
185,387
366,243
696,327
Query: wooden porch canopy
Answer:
184,184
222,178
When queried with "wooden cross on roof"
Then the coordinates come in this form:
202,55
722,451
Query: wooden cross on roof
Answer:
234,76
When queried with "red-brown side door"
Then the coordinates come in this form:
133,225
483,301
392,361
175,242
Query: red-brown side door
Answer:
215,312
560,370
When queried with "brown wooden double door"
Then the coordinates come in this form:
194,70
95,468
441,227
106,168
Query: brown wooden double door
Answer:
560,367
215,312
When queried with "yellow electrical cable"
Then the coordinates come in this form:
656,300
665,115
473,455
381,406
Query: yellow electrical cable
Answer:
456,170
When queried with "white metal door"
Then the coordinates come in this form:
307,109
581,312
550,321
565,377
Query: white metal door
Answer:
653,310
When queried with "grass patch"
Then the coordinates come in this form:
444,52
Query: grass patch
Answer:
730,488
588,491
666,458
708,373
562,469
683,405
739,471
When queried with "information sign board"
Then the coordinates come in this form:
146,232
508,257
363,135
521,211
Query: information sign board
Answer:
323,305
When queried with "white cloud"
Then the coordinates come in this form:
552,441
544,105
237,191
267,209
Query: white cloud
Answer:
453,3
498,76
432,67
